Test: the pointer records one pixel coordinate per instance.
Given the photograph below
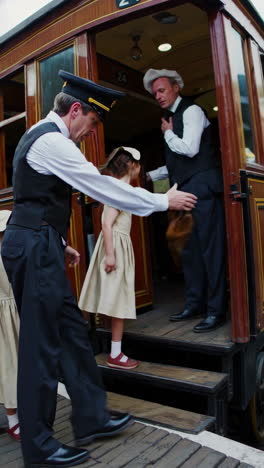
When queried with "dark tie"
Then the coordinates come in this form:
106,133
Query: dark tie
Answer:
168,114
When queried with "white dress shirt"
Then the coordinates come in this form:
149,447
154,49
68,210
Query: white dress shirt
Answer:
194,123
54,153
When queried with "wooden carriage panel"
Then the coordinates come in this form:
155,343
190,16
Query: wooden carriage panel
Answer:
143,278
75,239
256,202
54,29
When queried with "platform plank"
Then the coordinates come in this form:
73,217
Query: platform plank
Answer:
138,446
229,462
201,381
204,458
177,454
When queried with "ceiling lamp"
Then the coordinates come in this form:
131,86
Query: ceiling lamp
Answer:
165,18
162,43
165,47
135,51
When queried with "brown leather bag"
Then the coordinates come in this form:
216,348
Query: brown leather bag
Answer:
179,229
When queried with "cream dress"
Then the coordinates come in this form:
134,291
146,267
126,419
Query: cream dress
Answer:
112,294
9,329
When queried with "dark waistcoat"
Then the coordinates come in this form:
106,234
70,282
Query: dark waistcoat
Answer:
180,167
39,197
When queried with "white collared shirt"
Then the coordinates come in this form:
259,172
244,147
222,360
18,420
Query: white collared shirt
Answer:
194,123
54,153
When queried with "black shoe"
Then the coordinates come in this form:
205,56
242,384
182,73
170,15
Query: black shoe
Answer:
64,456
112,427
186,314
209,323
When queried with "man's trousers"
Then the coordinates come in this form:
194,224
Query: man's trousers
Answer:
53,341
204,256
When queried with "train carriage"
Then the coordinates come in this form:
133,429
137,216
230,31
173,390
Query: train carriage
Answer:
218,47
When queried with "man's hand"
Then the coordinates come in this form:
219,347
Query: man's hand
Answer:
72,255
166,125
148,178
181,200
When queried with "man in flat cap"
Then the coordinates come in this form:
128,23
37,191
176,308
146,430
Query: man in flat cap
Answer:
191,162
53,334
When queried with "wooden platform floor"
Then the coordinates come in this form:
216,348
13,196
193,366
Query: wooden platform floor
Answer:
138,446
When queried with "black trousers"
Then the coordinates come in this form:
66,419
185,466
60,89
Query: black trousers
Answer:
203,258
53,339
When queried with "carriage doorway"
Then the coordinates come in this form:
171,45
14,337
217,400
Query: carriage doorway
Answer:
124,53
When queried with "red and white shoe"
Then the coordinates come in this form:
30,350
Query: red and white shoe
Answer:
118,364
11,431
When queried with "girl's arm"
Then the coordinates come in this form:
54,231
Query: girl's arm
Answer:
73,256
107,230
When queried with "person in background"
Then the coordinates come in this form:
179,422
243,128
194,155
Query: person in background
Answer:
109,286
9,330
53,334
191,162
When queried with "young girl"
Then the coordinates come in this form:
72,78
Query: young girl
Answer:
9,328
109,286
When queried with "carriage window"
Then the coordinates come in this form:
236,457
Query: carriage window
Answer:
12,122
50,82
238,66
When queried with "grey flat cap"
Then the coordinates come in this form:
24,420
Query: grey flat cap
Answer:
153,74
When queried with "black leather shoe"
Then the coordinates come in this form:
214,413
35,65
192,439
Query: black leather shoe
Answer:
64,456
209,323
186,314
112,427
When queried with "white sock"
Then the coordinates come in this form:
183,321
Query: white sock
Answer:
115,348
12,421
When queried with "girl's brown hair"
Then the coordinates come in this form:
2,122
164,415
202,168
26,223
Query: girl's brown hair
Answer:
119,166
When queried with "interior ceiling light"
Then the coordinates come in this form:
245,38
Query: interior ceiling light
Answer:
135,51
215,108
165,47
162,43
165,18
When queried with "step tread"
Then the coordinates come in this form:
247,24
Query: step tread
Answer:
204,381
157,329
164,416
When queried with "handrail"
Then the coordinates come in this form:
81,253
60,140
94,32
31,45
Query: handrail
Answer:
5,122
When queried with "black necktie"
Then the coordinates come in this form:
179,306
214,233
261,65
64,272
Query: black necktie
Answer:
168,114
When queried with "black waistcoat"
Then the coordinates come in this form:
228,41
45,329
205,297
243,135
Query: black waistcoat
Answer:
39,197
180,167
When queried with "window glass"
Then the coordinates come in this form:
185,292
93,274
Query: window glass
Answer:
50,82
239,70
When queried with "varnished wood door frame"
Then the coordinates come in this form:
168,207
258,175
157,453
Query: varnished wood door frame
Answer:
231,164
